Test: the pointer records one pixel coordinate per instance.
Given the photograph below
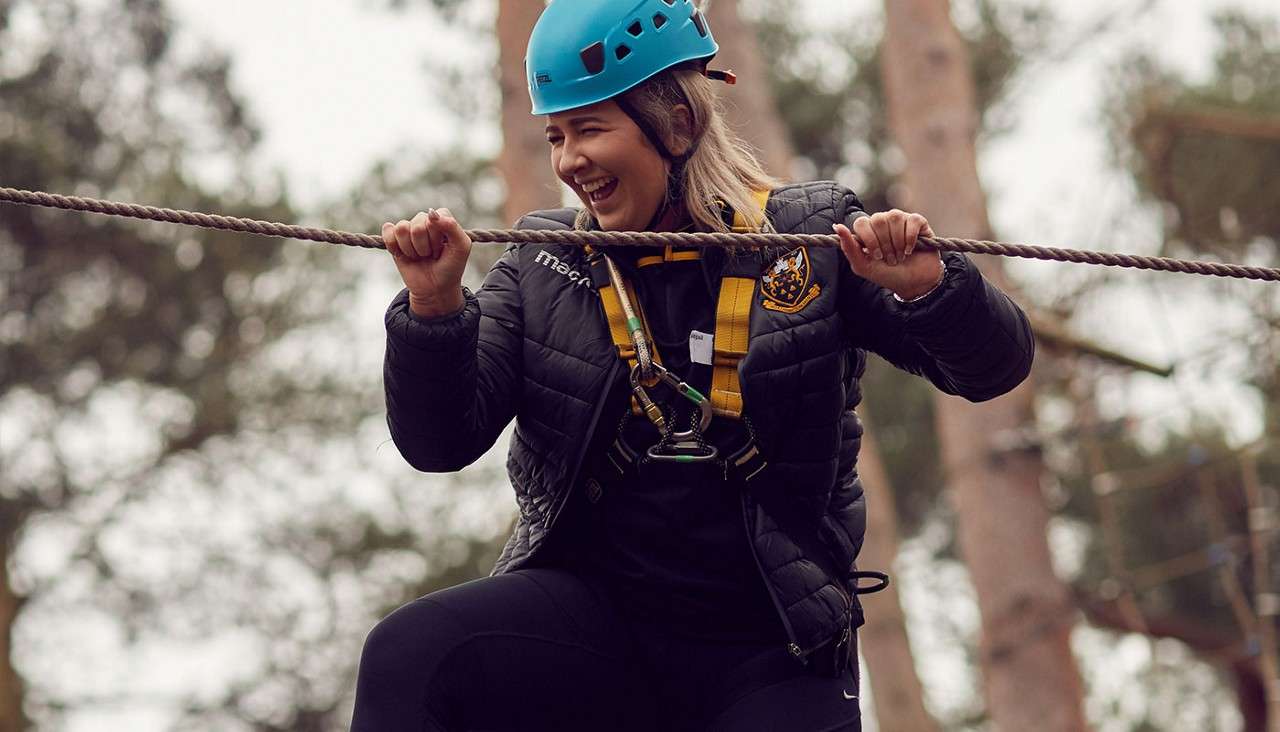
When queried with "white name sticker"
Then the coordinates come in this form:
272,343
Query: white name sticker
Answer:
701,347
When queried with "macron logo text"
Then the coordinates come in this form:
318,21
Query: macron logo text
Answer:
547,259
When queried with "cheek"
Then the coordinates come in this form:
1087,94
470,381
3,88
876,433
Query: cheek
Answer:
657,177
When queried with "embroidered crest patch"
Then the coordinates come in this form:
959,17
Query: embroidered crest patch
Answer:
786,284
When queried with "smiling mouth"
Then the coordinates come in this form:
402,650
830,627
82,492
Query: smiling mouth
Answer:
599,193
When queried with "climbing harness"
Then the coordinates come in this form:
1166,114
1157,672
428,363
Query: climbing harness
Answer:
630,238
636,347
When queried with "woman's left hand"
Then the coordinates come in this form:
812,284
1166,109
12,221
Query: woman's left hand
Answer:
882,248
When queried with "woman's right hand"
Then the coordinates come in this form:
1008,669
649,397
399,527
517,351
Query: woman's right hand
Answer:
431,253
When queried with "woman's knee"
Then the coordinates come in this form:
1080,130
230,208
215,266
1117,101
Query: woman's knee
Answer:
413,639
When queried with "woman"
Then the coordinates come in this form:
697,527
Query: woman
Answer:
680,561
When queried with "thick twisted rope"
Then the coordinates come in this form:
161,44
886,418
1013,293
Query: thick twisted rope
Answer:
630,238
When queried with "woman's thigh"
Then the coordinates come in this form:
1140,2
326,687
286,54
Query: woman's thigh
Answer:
534,649
742,686
800,704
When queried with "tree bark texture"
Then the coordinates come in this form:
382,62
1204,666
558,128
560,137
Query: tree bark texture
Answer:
525,161
1030,676
895,687
12,718
749,104
898,696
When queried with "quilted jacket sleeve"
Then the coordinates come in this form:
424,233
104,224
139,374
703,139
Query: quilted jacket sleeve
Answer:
967,337
451,383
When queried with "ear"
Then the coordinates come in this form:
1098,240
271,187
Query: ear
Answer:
681,128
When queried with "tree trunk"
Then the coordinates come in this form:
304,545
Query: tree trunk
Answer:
749,104
895,687
1030,675
753,113
898,696
525,161
1251,696
12,718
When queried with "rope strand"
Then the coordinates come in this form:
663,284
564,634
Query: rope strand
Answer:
630,238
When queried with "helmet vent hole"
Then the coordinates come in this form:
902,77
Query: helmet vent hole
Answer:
622,51
700,23
635,29
659,20
593,58
672,3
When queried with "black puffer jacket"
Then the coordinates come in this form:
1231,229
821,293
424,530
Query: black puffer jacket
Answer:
533,344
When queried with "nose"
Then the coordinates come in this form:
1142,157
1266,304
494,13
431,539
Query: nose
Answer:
571,160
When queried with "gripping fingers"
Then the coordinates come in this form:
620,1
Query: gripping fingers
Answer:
883,225
852,248
392,244
453,235
420,232
438,239
925,229
914,224
867,237
405,239
898,233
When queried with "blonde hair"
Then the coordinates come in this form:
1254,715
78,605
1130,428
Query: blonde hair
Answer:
722,169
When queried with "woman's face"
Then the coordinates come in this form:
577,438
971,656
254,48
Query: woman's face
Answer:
601,154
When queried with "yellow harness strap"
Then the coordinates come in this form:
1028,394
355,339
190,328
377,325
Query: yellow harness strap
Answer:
669,256
733,328
618,329
733,321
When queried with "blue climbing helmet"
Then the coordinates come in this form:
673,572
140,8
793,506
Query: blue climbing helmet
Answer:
586,51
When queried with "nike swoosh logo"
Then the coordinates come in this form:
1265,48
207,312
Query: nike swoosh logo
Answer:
847,695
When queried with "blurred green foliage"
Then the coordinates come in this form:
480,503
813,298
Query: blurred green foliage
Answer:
184,407
1204,150
1203,147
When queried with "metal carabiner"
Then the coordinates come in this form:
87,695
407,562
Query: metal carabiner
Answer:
691,451
683,389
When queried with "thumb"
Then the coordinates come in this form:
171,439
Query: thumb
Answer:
455,236
858,259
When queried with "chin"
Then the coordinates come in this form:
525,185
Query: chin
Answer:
610,222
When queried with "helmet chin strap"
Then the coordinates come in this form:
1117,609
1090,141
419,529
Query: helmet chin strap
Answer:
646,128
676,176
677,161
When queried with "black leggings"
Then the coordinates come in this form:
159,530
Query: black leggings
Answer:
540,649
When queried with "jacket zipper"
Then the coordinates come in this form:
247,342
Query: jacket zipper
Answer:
582,449
793,648
848,599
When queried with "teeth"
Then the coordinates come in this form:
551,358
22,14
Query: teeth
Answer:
596,185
